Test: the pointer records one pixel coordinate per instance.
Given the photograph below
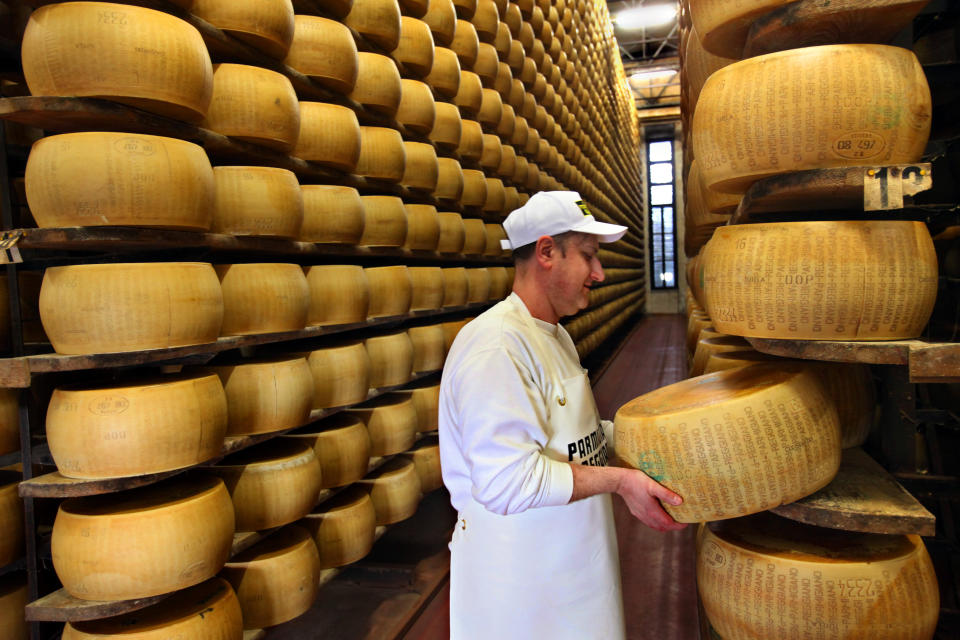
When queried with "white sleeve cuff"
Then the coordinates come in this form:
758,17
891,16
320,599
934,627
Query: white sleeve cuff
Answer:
608,431
561,484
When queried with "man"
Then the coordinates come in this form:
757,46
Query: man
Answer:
523,451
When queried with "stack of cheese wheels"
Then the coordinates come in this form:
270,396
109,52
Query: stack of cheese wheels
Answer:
136,428
329,136
331,213
257,201
207,610
391,291
500,283
343,527
141,57
698,322
391,421
339,294
423,227
271,484
143,542
709,346
394,489
104,308
13,599
426,400
11,508
734,442
268,26
255,105
325,51
426,460
853,280
266,395
455,285
427,288
391,359
838,584
341,374
9,421
450,330
103,178
896,87
428,352
385,221
342,446
452,232
478,285
277,579
263,297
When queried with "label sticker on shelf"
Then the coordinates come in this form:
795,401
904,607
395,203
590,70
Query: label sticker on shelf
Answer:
884,187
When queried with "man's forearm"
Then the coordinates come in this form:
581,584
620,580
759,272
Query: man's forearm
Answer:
592,481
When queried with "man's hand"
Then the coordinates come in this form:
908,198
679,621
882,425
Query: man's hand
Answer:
641,493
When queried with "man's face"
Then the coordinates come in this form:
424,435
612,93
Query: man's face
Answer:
575,270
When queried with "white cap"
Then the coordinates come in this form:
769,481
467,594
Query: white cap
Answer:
550,213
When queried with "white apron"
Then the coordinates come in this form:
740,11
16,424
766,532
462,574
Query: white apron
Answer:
548,572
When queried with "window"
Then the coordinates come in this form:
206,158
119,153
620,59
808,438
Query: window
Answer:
663,260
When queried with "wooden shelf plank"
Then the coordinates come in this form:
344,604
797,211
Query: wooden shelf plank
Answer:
862,497
926,361
60,606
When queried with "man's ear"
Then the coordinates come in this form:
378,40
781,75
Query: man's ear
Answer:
545,251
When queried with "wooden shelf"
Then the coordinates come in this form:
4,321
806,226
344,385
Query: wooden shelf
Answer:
17,372
862,497
926,361
8,459
856,190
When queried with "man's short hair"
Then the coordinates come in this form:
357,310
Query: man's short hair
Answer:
524,253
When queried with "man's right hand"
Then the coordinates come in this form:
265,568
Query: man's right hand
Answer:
643,494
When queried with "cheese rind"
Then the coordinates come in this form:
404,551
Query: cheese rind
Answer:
267,395
257,201
343,527
342,446
395,490
263,297
339,294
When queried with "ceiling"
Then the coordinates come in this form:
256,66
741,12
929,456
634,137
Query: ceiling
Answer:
646,44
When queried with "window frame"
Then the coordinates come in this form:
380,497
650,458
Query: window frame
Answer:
659,237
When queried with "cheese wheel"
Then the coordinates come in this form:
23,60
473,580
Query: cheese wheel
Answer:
329,135
769,577
465,8
11,508
454,286
382,154
709,346
452,232
428,348
337,8
209,610
325,51
474,194
118,179
391,421
470,93
255,105
487,64
343,527
129,429
271,484
423,227
426,461
415,50
421,170
391,291
490,153
277,579
496,197
268,26
385,221
507,167
698,65
491,109
391,359
442,19
104,308
395,491
494,233
471,140
341,375
447,128
263,297
475,236
723,25
465,44
426,401
451,329
143,542
478,285
734,442
267,395
427,288
500,283
13,599
378,83
377,20
141,57
486,19
738,146
342,446
339,294
417,111
257,201
856,280
444,76
331,213
9,421
736,360
852,390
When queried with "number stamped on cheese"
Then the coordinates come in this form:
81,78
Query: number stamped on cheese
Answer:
859,145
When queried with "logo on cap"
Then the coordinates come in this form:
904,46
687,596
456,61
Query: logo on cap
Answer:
583,207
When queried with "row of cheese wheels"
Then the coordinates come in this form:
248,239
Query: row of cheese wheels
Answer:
104,308
102,178
602,330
